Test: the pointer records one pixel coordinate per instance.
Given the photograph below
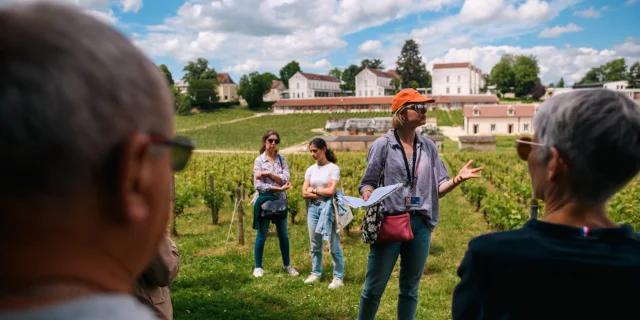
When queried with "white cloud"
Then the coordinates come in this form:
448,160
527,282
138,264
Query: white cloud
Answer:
483,11
321,64
555,62
106,16
131,5
590,13
630,2
370,49
245,67
559,30
630,47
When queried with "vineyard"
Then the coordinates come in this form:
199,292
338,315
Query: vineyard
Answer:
215,279
293,128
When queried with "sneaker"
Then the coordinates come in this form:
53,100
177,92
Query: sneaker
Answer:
258,272
312,278
292,272
336,283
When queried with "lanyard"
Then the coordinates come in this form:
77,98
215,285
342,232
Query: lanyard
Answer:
411,176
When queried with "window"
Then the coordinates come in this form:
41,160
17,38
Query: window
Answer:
297,85
303,95
510,129
510,112
447,90
493,127
226,98
475,129
447,79
372,93
458,80
458,90
365,82
476,112
365,93
359,93
526,127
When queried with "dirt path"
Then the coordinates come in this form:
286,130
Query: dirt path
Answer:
452,132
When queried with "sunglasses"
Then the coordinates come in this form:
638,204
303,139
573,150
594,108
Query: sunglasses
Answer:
524,145
419,108
276,141
181,149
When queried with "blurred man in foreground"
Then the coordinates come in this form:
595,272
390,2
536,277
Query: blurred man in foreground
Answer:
87,153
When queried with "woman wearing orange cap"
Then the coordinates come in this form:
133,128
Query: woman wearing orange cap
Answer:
402,156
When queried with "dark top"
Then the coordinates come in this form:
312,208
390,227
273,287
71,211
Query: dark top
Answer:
550,271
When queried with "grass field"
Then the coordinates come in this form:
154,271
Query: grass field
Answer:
293,128
212,117
216,282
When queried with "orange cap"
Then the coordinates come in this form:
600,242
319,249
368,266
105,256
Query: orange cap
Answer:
406,96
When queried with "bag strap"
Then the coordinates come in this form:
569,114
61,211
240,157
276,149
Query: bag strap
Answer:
384,164
286,196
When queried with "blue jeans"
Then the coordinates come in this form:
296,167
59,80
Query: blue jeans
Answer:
317,242
382,259
261,237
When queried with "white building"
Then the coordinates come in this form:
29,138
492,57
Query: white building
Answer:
278,91
375,82
183,86
499,119
620,86
308,86
456,79
227,89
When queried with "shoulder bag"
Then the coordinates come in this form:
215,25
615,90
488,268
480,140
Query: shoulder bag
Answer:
275,209
373,215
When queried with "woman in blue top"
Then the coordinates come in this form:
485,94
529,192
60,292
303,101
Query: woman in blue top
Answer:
320,182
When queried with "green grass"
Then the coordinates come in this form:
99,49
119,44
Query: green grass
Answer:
293,128
216,282
212,117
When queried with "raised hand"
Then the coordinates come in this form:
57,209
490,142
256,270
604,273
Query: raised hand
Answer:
466,173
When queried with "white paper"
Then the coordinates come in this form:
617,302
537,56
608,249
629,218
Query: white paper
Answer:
376,196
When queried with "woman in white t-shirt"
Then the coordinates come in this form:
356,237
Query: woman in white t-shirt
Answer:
320,182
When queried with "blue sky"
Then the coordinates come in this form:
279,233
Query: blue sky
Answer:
240,36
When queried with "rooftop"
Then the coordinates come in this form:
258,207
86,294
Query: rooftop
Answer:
319,77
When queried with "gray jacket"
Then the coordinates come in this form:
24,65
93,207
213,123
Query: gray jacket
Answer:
431,173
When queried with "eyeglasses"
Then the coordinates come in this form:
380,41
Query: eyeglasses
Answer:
276,141
181,149
419,108
524,146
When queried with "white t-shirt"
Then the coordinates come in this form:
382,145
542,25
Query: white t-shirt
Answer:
318,176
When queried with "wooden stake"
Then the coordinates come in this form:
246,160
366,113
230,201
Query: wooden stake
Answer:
240,217
214,208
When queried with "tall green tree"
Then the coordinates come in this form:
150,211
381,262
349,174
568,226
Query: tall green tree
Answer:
336,73
614,70
199,70
349,77
167,74
253,88
203,93
396,84
634,76
560,83
526,73
410,66
288,71
502,75
374,64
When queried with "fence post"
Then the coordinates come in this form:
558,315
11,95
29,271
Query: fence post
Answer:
240,217
214,208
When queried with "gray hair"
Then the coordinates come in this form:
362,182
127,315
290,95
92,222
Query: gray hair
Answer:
72,89
598,133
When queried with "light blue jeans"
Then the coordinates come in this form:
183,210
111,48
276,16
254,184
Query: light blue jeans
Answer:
317,242
382,259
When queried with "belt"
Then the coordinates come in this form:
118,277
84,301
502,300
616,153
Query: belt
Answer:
315,202
411,212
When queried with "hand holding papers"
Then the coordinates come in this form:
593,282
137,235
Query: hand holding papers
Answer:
376,196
